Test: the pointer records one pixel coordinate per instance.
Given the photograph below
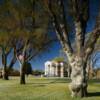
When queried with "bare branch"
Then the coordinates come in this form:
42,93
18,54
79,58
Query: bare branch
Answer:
60,30
13,61
7,53
61,34
31,56
80,15
94,36
64,26
92,42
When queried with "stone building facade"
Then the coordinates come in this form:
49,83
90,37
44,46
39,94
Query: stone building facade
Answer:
56,69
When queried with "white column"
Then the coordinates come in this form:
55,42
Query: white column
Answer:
53,71
45,70
62,70
50,70
56,69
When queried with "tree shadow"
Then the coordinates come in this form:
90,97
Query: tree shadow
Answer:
94,94
50,81
47,83
60,81
40,85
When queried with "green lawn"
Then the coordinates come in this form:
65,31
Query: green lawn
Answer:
43,89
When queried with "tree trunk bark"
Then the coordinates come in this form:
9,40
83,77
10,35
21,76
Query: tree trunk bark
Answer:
78,86
4,71
69,71
22,74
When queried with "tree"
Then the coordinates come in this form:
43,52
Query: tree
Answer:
28,68
77,59
31,37
5,46
27,37
7,25
31,34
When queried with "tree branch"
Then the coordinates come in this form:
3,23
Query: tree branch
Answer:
80,16
92,41
40,50
64,26
7,53
62,36
13,61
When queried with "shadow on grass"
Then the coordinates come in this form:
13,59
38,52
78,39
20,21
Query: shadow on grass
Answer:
52,82
40,85
94,94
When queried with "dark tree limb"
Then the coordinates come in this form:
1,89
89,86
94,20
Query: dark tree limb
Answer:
59,30
80,14
92,42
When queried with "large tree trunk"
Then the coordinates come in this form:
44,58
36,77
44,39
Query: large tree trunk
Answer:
78,86
22,74
77,60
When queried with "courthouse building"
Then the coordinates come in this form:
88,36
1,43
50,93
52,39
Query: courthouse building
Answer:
56,69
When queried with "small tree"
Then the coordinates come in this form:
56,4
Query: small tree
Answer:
27,37
30,34
28,68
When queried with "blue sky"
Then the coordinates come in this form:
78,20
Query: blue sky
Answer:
38,62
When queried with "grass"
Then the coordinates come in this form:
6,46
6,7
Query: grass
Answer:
43,89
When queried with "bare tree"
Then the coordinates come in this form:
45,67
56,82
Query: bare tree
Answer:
78,60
